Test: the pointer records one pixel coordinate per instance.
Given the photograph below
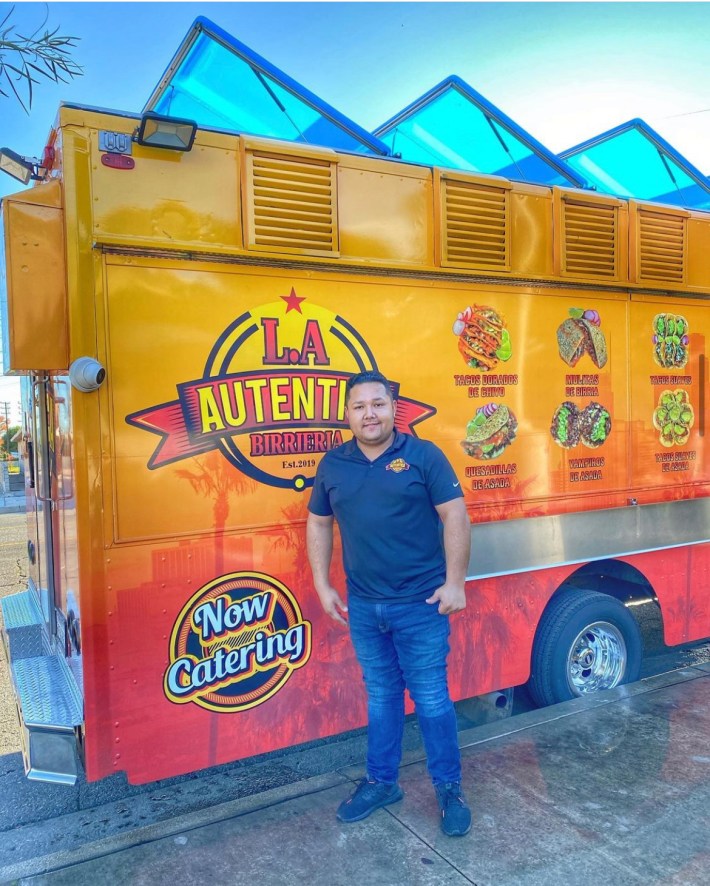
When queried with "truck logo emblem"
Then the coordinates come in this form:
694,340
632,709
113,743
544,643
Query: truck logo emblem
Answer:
272,395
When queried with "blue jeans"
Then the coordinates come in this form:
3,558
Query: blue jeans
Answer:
398,645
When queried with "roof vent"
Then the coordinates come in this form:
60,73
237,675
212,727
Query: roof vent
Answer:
661,244
589,238
474,223
291,204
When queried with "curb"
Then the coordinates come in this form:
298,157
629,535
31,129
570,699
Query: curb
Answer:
13,504
55,861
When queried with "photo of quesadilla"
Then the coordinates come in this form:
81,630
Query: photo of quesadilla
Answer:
492,429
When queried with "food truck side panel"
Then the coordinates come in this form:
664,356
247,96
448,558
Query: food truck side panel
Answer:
211,459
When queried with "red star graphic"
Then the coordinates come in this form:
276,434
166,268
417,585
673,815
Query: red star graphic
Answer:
293,301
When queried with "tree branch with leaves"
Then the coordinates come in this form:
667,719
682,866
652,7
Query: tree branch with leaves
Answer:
26,60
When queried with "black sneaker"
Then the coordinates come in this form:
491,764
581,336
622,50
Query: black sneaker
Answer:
455,814
368,796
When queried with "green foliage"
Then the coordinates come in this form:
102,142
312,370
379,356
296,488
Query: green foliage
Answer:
7,448
24,61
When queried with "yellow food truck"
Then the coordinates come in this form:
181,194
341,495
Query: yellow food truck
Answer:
185,317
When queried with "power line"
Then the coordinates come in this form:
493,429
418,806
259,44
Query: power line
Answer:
686,114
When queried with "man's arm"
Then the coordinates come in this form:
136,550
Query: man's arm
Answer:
451,596
319,539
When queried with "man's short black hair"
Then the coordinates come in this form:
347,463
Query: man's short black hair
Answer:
365,377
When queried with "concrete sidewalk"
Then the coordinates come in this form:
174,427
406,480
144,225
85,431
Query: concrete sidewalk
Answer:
614,789
12,501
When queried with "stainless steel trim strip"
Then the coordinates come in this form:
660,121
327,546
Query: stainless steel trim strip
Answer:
512,546
348,266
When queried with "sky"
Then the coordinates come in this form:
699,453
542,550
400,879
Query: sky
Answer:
563,71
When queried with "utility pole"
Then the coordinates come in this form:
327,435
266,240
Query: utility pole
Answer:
4,443
5,418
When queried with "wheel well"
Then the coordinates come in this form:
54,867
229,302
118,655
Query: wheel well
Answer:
627,585
615,578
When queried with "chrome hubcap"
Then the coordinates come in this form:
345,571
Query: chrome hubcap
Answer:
597,659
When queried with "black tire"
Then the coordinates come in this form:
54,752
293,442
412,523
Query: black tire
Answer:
585,642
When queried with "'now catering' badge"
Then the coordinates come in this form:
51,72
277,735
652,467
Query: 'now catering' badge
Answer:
272,395
235,643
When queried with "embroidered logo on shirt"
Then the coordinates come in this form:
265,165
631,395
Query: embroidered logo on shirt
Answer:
398,465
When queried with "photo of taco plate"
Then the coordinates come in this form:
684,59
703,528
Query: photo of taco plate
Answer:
483,337
571,426
673,418
670,341
490,431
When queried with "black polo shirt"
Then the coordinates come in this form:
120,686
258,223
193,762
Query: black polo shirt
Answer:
390,531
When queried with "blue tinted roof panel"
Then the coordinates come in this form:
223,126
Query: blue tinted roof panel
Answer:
454,126
632,160
218,82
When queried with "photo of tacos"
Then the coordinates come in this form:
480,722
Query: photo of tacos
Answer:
571,426
670,340
483,337
581,334
673,418
492,429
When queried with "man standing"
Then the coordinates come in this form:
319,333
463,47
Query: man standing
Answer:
389,493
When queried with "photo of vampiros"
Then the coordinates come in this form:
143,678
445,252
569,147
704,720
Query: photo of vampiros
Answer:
572,426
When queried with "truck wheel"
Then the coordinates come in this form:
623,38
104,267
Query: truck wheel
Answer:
585,642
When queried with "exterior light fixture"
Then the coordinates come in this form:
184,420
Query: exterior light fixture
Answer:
16,166
156,131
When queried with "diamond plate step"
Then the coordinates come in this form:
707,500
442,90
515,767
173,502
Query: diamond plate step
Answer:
47,692
24,626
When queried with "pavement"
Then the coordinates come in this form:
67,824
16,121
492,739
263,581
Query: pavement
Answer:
11,501
611,789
